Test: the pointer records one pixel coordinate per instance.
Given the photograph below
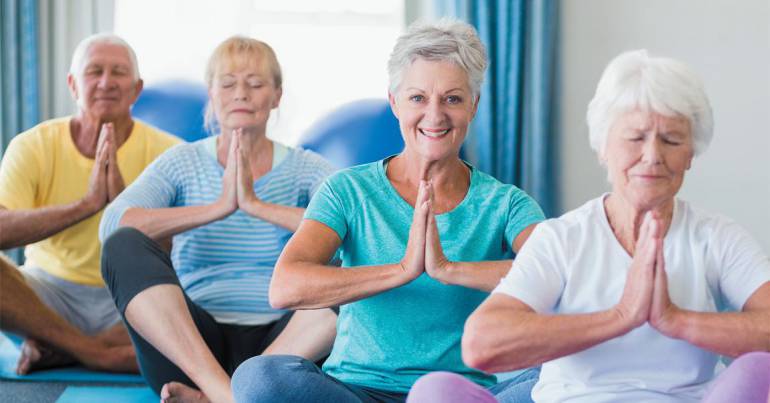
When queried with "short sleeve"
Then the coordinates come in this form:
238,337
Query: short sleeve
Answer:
742,264
328,208
523,211
154,188
19,175
537,275
315,170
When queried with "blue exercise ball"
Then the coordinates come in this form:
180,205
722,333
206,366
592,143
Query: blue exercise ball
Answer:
355,133
176,106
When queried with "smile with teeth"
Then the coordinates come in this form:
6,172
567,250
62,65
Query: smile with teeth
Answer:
433,133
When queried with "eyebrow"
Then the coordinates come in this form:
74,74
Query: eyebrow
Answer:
445,92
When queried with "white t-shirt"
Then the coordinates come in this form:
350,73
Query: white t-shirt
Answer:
574,264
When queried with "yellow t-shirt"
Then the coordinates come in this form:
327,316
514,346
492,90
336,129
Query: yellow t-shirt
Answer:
42,167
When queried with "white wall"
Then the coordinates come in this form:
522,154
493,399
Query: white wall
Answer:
728,44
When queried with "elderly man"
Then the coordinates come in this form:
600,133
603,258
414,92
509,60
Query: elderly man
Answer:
55,180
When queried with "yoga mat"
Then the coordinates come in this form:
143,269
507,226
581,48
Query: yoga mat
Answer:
101,394
9,355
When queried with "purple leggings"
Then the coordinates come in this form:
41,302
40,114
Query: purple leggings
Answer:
746,380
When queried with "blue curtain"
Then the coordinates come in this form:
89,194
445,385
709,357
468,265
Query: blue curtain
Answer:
513,136
19,92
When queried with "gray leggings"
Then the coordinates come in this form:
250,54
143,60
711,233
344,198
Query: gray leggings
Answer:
131,263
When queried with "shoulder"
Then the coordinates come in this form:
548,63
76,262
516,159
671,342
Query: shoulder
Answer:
156,138
701,226
309,160
365,175
43,134
575,224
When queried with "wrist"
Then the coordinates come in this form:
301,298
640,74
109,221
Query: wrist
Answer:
445,272
670,323
252,206
88,206
220,209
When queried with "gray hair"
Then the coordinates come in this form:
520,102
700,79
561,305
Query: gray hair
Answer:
445,40
79,55
666,86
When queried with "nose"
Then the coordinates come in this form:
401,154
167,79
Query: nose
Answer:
651,153
241,92
106,80
434,113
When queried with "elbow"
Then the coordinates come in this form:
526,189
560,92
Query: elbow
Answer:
282,293
476,348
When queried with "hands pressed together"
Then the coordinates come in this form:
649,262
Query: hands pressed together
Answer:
645,296
423,250
106,181
237,181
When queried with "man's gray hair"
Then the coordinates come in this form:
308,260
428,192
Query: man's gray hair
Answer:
79,55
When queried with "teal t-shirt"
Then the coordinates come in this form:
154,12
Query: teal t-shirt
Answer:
389,340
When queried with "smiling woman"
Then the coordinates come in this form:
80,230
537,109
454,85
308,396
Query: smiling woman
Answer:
423,237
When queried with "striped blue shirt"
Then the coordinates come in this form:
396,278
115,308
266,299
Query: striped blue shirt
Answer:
224,266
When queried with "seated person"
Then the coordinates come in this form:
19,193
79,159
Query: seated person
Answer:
55,179
230,202
620,299
423,235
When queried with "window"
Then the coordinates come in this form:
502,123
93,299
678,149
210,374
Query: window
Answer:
331,51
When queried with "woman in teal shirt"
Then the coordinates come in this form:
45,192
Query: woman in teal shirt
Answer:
424,237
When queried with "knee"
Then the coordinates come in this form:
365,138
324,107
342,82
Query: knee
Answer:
120,247
265,378
754,362
447,387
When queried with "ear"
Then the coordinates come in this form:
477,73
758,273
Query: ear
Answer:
138,87
277,99
475,107
393,105
72,85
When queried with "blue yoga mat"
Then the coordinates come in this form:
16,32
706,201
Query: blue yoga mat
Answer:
101,394
9,355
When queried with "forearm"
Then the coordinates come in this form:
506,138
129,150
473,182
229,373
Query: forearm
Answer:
729,333
23,227
504,339
303,285
283,216
479,275
163,223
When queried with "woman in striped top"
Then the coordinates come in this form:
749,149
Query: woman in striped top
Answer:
230,203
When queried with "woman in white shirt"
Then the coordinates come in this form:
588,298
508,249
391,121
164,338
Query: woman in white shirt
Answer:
622,299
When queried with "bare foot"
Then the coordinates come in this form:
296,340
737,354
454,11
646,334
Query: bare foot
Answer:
175,392
36,356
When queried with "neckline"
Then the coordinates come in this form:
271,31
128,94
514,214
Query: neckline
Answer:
84,159
210,150
675,218
404,205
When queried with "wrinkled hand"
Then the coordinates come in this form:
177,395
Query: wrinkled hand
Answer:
228,200
115,183
635,304
413,262
98,194
436,263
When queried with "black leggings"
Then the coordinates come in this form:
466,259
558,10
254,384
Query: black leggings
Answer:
131,263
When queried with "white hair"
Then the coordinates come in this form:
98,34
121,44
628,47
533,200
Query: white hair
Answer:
81,51
635,80
445,40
